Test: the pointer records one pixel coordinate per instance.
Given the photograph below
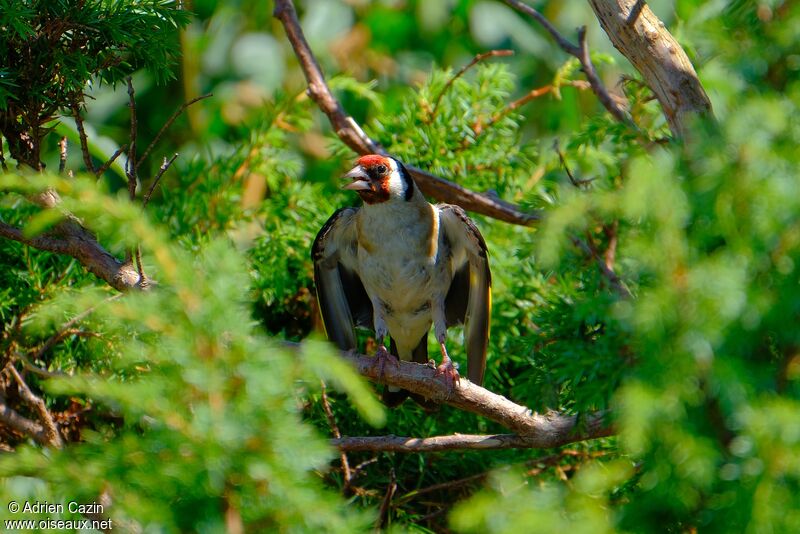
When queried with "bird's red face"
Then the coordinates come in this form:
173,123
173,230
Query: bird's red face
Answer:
373,178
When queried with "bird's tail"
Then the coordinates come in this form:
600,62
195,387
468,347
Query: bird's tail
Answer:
393,397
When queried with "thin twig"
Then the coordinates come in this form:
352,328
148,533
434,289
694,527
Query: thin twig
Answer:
383,514
87,157
351,134
562,41
529,96
53,434
130,167
164,166
613,278
477,59
167,124
103,168
355,471
575,182
30,366
62,155
581,52
337,435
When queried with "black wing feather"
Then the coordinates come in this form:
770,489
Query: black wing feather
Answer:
342,298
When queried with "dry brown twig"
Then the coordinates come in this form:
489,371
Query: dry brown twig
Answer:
354,137
326,406
167,124
51,430
130,165
161,170
87,157
105,166
383,514
477,59
581,53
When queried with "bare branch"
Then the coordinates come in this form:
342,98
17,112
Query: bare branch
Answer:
23,425
547,430
435,443
477,59
581,52
73,240
130,166
383,513
643,39
110,161
613,278
354,137
326,405
62,155
167,124
87,157
164,166
51,430
575,182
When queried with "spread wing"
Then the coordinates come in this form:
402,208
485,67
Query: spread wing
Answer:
469,299
342,298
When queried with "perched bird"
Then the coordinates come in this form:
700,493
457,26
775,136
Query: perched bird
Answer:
399,264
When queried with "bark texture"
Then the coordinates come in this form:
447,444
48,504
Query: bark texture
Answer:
643,39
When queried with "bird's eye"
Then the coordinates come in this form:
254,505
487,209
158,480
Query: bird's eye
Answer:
381,169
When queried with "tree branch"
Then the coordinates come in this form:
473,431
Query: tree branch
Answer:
354,137
581,53
167,124
21,424
643,39
51,431
432,444
477,59
87,157
531,429
73,240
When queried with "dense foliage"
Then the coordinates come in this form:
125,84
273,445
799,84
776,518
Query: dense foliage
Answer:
182,406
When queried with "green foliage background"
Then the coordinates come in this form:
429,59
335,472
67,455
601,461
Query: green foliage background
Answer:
183,405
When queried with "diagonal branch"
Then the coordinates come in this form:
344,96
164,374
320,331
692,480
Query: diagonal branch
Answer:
23,425
73,240
644,40
531,429
581,53
166,126
477,59
51,431
351,134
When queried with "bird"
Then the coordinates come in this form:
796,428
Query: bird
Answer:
398,265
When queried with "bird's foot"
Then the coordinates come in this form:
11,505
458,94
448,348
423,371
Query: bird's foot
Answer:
447,369
449,373
383,357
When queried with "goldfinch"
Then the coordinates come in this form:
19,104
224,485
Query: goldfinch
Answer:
398,264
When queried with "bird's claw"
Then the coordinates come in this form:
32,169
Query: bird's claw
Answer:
449,373
382,357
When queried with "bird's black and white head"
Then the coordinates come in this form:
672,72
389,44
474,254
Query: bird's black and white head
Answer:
379,179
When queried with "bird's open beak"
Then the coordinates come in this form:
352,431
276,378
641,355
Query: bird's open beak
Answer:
360,179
